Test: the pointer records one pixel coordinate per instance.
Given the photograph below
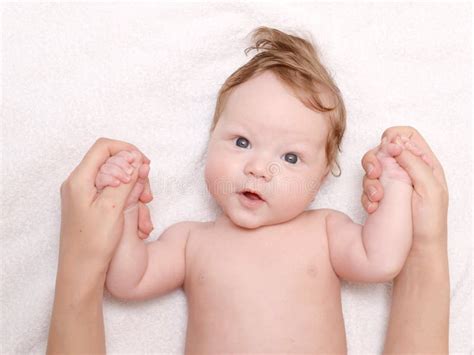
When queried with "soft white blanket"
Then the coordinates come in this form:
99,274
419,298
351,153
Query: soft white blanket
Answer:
148,73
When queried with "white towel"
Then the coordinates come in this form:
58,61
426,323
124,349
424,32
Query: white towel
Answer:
149,74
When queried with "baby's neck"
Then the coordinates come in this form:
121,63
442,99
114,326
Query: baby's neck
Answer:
223,220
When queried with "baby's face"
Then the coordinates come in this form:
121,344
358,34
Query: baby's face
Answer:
268,141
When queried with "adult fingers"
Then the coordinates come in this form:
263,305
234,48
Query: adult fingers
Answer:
373,170
371,164
368,205
140,185
145,224
429,156
373,189
146,195
137,190
420,173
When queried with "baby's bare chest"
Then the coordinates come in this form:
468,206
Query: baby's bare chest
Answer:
262,286
219,258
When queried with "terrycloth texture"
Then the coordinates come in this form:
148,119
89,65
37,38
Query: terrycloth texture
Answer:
149,74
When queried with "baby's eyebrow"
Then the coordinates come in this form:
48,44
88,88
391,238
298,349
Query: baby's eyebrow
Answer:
235,125
302,147
306,143
292,138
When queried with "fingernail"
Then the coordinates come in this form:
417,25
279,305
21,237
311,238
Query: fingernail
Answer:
129,170
370,167
372,191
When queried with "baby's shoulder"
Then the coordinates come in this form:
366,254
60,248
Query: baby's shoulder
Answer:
182,229
326,216
320,214
192,226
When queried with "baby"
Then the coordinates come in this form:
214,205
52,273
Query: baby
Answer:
265,276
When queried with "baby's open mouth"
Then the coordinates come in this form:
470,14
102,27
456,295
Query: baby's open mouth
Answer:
251,195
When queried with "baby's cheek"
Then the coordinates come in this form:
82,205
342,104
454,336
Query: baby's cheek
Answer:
216,179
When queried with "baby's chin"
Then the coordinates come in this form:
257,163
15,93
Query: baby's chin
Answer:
256,221
247,222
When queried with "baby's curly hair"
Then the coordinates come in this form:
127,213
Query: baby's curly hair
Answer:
295,61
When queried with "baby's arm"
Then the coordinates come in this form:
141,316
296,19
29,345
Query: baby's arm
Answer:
375,251
138,270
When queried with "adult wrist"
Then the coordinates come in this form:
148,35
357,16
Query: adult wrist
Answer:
437,248
84,281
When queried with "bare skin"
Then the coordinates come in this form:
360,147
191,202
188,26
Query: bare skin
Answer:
241,273
264,291
419,315
265,277
91,227
77,324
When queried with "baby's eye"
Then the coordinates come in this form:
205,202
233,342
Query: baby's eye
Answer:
242,142
291,158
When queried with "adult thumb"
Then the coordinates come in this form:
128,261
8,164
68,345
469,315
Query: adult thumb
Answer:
421,174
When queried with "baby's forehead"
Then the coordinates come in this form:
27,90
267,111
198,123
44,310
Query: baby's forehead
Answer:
285,120
277,129
266,104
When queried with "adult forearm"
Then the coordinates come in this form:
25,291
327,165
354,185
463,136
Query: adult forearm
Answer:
419,315
387,233
77,325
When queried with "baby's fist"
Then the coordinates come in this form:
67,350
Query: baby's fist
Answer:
119,169
391,170
390,167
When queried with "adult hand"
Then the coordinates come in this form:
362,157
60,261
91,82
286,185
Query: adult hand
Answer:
92,222
419,313
91,226
430,196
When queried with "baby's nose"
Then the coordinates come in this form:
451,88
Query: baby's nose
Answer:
257,169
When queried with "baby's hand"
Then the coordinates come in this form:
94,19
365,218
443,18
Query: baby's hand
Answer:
388,150
118,168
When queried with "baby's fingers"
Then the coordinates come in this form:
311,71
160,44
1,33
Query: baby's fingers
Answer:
116,171
391,149
104,180
121,162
